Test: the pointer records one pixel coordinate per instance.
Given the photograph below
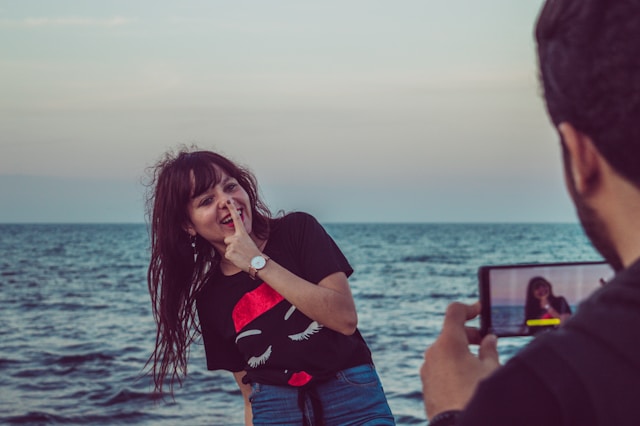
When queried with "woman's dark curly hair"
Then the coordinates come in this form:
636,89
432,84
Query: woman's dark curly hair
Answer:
177,271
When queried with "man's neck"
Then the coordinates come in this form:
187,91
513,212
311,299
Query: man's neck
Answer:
620,207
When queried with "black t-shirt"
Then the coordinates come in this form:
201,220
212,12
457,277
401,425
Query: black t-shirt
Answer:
559,304
246,325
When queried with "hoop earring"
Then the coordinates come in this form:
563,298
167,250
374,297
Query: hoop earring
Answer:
193,239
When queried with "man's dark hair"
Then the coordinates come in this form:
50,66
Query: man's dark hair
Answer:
589,61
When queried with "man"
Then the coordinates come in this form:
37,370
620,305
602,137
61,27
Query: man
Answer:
588,371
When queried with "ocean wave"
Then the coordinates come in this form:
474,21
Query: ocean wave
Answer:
38,418
78,326
444,259
126,396
80,359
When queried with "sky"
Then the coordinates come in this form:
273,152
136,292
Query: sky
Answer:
351,110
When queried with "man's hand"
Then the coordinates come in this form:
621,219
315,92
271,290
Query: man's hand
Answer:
450,372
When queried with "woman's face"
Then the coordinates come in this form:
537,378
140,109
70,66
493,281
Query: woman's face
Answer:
540,291
209,214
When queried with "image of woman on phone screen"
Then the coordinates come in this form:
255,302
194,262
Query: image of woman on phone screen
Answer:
544,310
270,297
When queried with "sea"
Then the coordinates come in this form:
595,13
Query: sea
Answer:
76,327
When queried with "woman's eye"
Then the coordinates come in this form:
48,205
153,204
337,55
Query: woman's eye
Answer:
231,187
206,201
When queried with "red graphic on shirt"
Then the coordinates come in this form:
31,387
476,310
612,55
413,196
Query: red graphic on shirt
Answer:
254,304
300,378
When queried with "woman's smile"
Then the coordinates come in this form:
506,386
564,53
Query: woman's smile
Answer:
228,220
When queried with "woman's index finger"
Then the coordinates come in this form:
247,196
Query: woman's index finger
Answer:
235,217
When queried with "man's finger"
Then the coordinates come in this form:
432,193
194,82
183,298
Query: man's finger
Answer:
489,349
458,313
473,335
455,319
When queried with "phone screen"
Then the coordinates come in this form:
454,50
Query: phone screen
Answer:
523,300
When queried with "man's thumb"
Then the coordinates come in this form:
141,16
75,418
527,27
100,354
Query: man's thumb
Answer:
488,349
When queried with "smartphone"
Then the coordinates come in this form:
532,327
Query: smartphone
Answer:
527,299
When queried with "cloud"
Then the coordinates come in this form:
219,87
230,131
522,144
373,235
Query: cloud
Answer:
71,21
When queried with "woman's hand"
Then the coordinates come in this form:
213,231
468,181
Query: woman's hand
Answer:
555,314
544,302
241,248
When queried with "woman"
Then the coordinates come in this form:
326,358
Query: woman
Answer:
542,304
270,297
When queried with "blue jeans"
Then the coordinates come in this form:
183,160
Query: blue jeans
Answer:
352,397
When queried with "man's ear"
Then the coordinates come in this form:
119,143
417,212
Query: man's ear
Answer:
584,159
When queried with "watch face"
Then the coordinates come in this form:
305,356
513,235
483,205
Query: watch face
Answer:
258,262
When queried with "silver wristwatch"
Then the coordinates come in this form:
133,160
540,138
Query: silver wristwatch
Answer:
257,263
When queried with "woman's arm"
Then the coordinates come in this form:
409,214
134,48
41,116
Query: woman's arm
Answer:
563,315
330,302
246,391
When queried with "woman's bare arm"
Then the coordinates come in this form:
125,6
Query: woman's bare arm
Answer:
246,391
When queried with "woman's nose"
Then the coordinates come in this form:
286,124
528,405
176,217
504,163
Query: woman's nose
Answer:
223,202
